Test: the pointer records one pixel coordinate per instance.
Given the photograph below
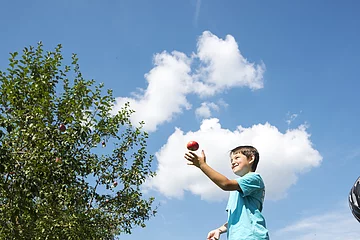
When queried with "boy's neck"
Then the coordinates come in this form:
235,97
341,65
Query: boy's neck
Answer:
247,173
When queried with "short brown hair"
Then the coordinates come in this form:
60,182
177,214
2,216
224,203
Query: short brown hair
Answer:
248,151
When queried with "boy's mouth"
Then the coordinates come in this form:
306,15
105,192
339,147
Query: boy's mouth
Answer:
234,165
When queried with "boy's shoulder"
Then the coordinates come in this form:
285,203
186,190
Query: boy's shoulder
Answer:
252,175
251,180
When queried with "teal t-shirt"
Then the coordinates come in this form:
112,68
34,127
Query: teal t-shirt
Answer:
245,221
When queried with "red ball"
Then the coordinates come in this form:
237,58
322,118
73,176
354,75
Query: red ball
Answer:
192,146
62,127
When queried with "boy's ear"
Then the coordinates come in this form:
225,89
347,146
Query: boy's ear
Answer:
252,159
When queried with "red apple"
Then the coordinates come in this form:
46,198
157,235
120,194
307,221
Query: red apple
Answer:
115,183
103,144
192,146
62,127
58,160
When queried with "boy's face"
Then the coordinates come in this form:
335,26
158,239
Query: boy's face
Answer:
240,164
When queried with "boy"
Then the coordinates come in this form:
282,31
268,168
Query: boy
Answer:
245,221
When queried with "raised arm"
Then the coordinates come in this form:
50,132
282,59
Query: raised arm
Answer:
220,180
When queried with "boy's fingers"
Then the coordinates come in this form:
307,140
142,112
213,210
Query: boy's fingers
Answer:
193,154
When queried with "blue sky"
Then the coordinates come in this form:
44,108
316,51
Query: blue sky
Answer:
281,75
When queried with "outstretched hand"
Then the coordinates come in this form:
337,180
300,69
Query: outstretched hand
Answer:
195,159
213,235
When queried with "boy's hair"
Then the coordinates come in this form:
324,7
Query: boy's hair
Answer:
248,151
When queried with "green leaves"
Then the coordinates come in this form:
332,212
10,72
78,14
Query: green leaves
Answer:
62,149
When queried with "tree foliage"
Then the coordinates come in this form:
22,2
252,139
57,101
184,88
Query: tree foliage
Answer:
70,168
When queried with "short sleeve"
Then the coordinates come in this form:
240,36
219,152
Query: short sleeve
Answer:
250,183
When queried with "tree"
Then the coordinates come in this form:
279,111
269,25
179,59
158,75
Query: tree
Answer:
60,176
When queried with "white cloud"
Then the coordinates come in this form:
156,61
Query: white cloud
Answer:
224,67
197,12
334,225
292,117
216,66
290,153
222,103
204,111
165,96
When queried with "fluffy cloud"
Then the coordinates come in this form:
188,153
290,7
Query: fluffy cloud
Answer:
204,111
224,67
335,225
168,83
290,153
216,66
